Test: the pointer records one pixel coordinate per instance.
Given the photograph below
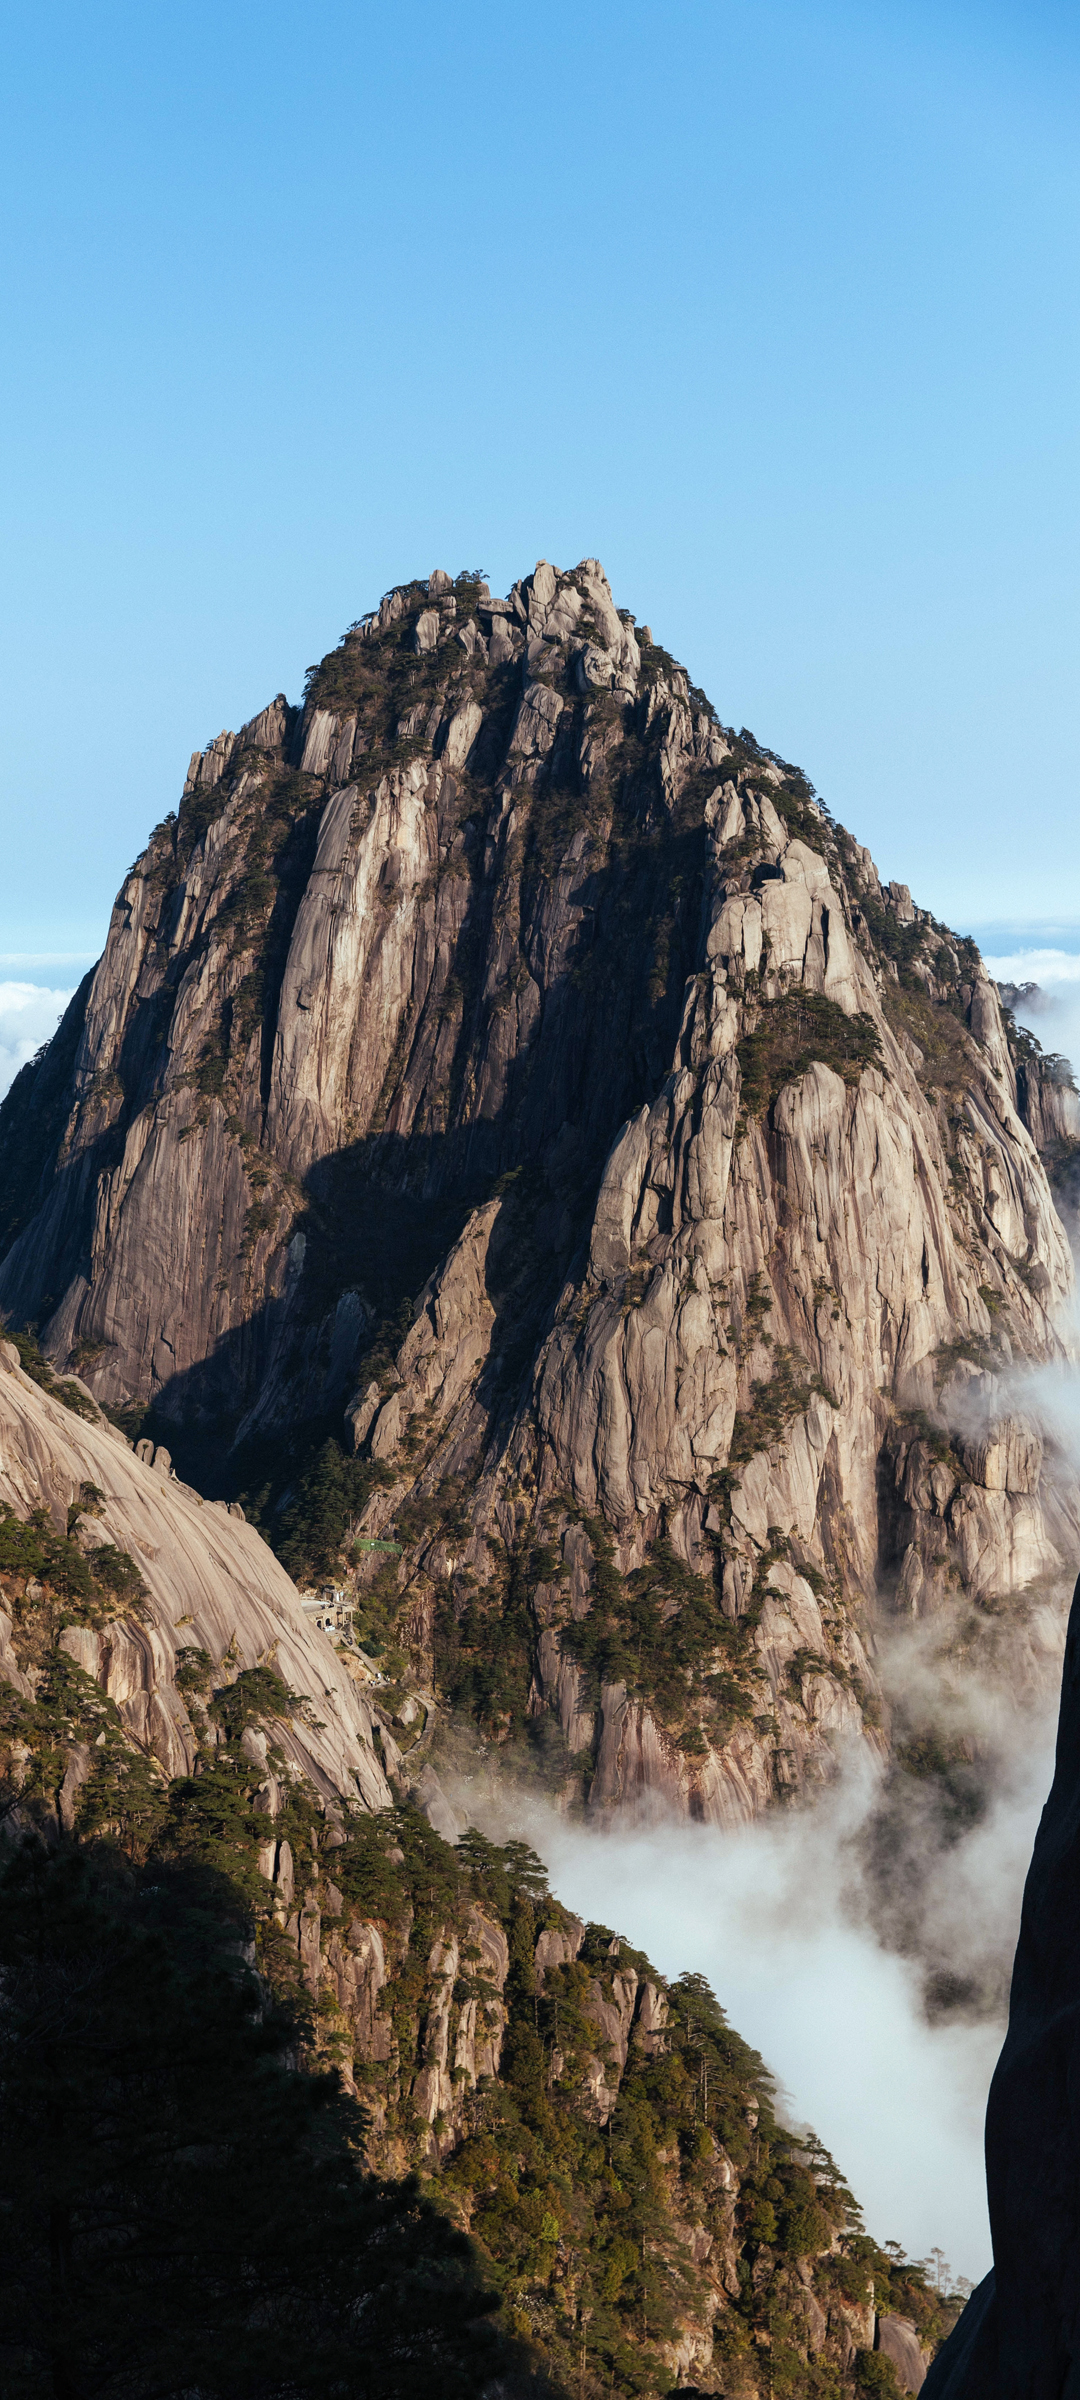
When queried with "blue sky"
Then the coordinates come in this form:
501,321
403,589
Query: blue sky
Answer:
771,305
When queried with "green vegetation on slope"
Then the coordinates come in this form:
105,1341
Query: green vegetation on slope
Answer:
158,2139
34,1363
183,2211
790,1035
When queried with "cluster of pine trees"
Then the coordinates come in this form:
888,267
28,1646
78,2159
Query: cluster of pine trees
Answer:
183,2214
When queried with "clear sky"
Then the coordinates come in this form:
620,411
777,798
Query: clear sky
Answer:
769,304
772,305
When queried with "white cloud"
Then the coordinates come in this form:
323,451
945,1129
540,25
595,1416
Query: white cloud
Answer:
776,1917
1044,967
29,1013
822,1927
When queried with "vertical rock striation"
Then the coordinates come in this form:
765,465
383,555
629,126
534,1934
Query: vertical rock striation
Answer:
210,1586
503,974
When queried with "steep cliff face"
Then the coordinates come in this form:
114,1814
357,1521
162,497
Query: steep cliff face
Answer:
1046,1086
600,2131
505,975
197,1596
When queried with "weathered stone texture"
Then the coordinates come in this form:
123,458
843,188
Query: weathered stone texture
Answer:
212,1584
534,919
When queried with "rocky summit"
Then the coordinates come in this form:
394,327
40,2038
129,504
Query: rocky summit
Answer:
508,1099
523,1242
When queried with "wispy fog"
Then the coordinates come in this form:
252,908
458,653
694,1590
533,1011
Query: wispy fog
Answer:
29,1013
782,1917
863,1941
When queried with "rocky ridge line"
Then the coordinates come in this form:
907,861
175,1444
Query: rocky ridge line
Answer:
504,962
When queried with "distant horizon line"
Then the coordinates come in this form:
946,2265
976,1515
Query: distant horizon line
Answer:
1010,936
48,958
1001,935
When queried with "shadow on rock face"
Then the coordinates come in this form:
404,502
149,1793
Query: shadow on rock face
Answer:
1019,2336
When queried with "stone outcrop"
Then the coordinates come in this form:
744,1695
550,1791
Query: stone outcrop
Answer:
460,2061
1046,1086
505,975
1020,2333
898,2341
1048,1102
211,1584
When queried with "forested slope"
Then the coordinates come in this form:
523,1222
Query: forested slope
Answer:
250,1994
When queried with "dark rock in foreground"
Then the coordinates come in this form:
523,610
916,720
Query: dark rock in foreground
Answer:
1019,2336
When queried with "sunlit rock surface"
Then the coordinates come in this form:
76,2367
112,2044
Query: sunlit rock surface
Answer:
504,985
211,1583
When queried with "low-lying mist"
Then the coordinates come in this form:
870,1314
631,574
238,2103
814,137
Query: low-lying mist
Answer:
783,1918
862,1941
